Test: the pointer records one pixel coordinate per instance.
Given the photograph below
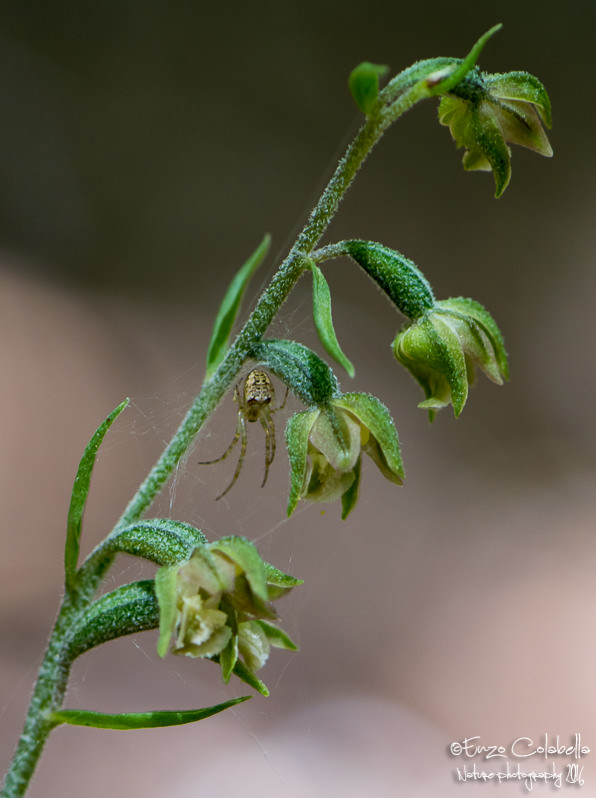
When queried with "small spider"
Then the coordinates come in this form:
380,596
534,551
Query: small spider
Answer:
255,403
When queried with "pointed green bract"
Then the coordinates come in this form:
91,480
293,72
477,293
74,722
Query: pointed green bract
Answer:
364,84
127,721
302,370
230,306
159,540
396,275
323,319
126,610
464,67
78,498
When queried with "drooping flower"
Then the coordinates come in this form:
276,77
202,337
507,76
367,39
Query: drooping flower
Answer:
217,605
487,112
325,448
442,348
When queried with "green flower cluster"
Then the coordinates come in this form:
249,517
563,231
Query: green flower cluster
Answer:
325,447
487,112
217,605
442,348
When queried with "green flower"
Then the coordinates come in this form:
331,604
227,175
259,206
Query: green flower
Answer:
325,447
217,605
486,112
442,348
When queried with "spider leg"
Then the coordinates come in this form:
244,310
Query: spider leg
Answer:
230,447
236,436
283,404
269,428
240,433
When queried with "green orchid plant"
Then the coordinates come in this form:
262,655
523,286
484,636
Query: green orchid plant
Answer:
216,600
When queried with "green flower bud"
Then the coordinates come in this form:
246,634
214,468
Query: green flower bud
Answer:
442,349
325,448
486,112
214,605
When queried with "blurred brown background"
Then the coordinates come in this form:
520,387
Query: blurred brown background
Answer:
144,150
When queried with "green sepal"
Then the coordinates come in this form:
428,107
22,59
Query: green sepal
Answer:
244,553
279,583
446,356
364,84
321,301
494,153
230,306
159,540
127,610
382,445
276,636
139,720
79,494
302,370
523,87
349,499
165,591
248,677
473,309
228,658
298,429
396,275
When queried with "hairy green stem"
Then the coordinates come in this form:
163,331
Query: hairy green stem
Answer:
51,685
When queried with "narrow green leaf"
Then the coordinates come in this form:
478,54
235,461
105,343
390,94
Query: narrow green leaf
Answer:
230,306
78,498
364,84
139,720
321,308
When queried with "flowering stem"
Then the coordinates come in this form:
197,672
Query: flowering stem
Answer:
51,685
269,303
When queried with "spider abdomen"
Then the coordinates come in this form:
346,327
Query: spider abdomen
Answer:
258,392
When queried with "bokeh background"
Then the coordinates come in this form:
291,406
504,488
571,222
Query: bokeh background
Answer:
144,150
